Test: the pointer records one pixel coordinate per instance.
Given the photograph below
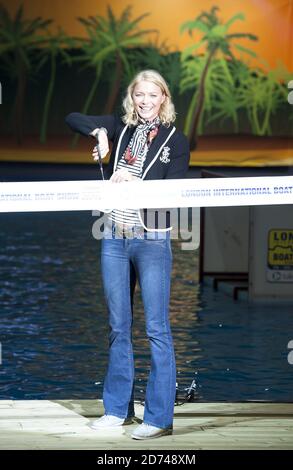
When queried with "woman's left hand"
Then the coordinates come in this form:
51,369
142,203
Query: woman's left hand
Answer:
122,175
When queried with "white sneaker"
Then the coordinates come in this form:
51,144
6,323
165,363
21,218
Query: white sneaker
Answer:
146,431
108,421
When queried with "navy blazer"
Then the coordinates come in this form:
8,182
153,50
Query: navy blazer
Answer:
168,156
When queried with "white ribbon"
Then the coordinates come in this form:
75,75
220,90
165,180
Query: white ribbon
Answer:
98,195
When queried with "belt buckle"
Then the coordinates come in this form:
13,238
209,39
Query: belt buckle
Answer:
122,230
128,232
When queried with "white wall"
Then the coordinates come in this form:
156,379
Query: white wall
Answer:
226,233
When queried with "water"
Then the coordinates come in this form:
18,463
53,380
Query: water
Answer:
53,323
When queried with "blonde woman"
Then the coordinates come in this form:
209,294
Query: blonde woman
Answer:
145,145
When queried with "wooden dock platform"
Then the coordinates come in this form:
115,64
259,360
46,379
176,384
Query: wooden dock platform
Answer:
63,424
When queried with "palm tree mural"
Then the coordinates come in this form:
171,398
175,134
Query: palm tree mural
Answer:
121,35
221,100
19,42
55,44
261,93
218,42
110,39
157,55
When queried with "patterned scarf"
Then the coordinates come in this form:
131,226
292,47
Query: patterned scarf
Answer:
141,141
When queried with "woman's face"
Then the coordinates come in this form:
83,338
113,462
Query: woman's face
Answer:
147,98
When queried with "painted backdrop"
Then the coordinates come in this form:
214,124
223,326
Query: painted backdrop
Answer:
228,64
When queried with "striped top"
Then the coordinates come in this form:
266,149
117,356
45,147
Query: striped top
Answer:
128,217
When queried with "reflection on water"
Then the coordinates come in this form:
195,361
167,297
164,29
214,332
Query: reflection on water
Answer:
53,325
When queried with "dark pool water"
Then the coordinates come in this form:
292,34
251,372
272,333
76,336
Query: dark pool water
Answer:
53,322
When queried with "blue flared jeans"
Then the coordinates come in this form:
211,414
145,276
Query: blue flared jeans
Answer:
152,262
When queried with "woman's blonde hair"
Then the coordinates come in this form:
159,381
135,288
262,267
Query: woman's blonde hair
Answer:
167,109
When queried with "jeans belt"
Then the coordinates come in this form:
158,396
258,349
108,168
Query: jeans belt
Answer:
128,231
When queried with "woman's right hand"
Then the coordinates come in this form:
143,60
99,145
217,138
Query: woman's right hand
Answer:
103,145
